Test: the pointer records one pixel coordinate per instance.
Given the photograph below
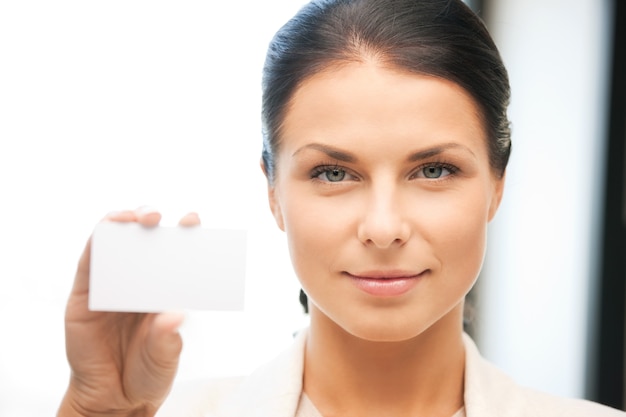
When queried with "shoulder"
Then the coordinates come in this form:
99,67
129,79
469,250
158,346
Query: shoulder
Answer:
272,390
490,392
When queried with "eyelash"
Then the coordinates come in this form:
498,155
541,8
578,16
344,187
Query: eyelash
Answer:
452,169
321,169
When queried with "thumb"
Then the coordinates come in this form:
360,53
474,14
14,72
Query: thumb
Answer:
152,375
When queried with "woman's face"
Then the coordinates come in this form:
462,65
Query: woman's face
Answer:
384,189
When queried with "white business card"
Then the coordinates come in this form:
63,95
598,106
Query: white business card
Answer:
140,269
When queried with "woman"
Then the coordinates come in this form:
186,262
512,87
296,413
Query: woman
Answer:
385,147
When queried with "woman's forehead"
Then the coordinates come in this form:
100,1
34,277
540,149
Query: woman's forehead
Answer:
363,102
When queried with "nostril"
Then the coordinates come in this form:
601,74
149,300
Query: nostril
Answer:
384,224
385,241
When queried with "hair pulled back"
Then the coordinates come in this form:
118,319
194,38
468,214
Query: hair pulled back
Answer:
441,38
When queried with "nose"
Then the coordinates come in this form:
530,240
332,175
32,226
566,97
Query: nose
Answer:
384,223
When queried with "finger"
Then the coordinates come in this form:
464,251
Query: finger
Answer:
81,281
147,216
151,377
190,220
120,216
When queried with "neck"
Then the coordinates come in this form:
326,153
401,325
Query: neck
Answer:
348,376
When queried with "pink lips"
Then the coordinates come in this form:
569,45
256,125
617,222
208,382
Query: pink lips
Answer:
386,284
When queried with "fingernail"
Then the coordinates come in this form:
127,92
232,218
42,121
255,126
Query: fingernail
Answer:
179,317
193,215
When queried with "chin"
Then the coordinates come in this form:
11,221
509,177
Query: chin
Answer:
383,329
398,326
386,332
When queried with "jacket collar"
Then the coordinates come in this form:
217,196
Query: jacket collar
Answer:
488,391
274,389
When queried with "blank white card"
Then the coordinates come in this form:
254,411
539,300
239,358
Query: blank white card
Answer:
139,269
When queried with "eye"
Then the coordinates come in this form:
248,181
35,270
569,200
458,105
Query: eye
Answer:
331,174
434,171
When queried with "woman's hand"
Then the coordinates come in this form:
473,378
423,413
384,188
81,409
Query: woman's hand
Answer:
122,364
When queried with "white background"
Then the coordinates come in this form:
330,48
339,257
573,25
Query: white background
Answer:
539,290
112,105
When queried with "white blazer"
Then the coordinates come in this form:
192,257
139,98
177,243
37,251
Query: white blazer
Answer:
274,391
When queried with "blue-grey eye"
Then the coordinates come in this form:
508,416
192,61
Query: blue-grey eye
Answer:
433,171
335,174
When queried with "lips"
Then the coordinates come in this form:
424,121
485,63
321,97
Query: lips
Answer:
386,283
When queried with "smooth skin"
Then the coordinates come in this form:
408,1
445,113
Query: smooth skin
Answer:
383,182
122,364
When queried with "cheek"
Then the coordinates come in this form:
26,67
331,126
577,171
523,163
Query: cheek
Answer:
317,230
456,231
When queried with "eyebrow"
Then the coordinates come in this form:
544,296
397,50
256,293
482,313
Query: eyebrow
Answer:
345,156
330,151
436,150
